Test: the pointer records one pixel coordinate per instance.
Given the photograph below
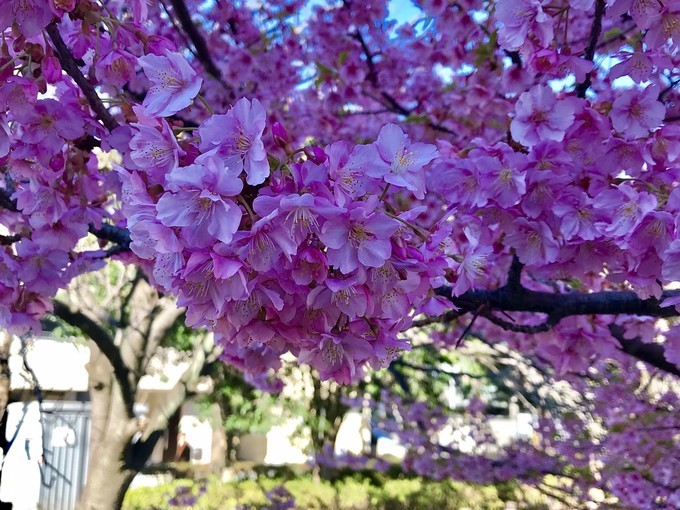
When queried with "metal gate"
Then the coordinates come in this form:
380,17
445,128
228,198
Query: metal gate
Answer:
66,439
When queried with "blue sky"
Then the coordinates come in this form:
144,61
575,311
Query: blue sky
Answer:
403,10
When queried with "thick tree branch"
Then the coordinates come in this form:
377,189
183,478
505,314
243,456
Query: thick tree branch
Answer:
167,315
68,63
117,235
203,350
649,353
106,345
6,201
515,273
514,298
559,306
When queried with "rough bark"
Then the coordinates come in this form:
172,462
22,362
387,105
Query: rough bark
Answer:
5,341
120,442
111,432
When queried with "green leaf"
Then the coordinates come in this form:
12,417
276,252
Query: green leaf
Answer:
612,33
324,70
342,57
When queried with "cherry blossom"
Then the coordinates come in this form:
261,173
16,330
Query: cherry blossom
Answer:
238,135
540,116
175,83
635,115
509,168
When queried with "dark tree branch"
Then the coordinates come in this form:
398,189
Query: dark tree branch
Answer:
119,236
9,240
515,298
124,318
372,73
449,316
69,65
649,353
395,106
589,53
559,306
399,378
547,325
106,345
481,310
6,201
197,40
179,31
116,235
515,273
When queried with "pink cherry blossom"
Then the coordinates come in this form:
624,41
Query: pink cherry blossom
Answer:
636,114
398,161
520,19
30,16
175,83
338,356
200,202
237,137
154,151
117,67
359,235
5,138
540,116
533,241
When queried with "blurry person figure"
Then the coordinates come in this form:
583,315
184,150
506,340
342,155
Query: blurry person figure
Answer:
20,477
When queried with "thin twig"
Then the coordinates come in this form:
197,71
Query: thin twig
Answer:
478,312
392,104
547,325
589,53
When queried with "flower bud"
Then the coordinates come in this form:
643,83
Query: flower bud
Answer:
280,135
51,67
315,155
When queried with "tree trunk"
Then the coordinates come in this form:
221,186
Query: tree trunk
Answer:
111,434
120,445
120,442
108,481
170,451
118,449
5,341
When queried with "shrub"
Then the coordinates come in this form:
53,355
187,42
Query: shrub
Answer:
357,492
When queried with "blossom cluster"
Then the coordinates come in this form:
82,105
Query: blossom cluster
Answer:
307,257
417,158
583,430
